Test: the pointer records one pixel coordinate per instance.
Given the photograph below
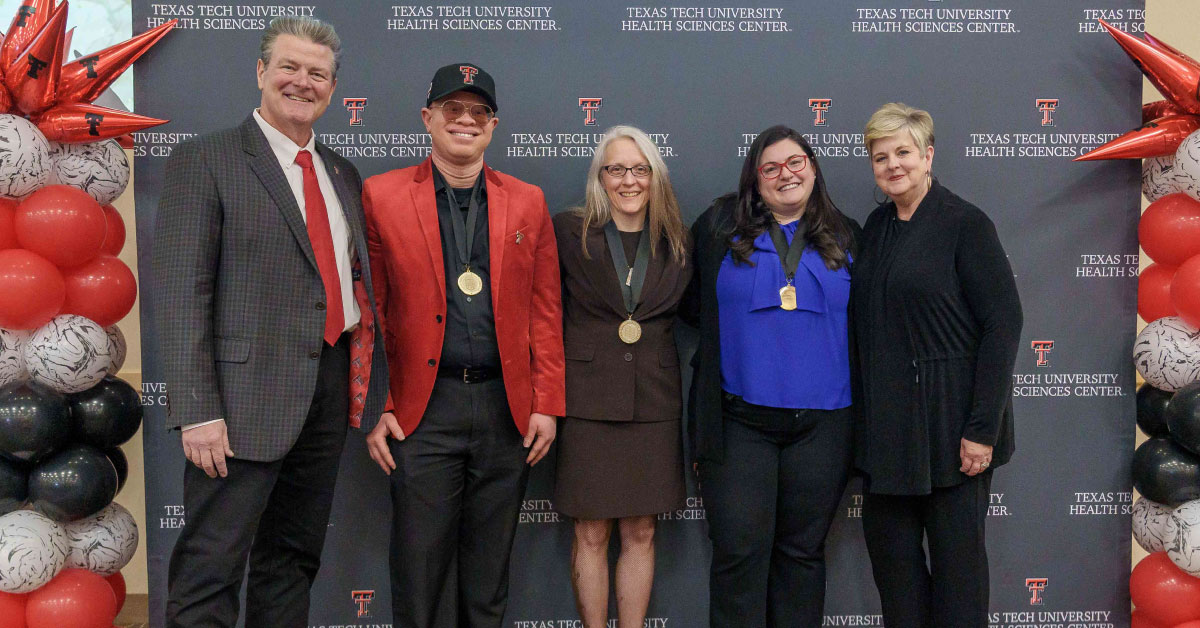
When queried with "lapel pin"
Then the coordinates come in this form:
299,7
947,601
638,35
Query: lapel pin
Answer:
336,171
520,236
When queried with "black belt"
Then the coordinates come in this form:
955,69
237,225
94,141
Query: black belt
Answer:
469,376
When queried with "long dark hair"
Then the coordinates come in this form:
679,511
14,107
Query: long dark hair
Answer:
827,228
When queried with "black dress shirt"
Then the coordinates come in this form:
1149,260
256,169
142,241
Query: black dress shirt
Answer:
470,339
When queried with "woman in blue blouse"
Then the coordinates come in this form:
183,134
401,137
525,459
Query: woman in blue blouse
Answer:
771,393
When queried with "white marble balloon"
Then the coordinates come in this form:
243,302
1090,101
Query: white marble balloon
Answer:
33,549
116,348
1149,519
98,168
68,354
12,363
104,542
1187,166
24,157
1158,177
1167,353
1182,537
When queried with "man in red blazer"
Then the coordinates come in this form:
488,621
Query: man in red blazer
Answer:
467,289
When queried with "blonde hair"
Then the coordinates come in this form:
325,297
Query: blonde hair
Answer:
895,117
662,207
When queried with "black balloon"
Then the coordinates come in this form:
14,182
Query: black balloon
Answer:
1165,472
1183,417
73,483
34,421
1151,408
121,463
107,414
14,486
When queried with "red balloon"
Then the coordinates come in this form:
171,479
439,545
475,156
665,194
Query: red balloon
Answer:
25,26
117,582
1172,75
62,224
1154,292
34,76
8,233
31,290
1158,109
76,598
12,609
1155,138
1189,624
1185,291
114,231
85,78
80,123
103,290
1170,229
1163,593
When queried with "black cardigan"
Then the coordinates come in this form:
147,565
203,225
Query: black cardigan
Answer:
943,372
710,236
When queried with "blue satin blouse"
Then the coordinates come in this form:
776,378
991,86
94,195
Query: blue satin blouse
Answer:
774,357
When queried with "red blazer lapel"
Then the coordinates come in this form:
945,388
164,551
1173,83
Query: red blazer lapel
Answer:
498,230
425,200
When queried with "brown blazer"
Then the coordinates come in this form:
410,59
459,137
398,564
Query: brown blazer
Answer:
608,380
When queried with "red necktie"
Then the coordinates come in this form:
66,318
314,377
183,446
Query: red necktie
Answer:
322,244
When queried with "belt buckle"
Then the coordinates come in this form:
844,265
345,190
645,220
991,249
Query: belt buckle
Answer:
466,378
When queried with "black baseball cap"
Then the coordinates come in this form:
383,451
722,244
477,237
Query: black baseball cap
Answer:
462,77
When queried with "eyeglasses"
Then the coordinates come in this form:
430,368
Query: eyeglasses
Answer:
640,171
772,169
453,110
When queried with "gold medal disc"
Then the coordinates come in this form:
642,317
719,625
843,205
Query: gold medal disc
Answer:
787,297
470,283
629,332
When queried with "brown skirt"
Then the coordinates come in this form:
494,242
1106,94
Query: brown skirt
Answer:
615,469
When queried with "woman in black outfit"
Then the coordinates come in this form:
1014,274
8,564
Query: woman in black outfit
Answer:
937,322
771,391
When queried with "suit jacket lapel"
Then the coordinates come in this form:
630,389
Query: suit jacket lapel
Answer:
656,290
498,233
425,200
266,168
599,269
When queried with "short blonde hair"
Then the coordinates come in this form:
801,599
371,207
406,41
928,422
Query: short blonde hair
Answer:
895,117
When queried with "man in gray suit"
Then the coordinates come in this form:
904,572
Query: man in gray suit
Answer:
267,329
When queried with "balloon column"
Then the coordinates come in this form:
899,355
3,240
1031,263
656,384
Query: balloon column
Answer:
1165,586
63,411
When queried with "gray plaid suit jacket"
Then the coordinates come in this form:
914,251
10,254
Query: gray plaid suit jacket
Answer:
236,290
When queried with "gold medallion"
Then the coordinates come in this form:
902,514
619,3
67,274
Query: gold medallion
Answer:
630,331
787,297
470,283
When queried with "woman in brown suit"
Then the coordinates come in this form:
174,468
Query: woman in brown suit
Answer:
623,257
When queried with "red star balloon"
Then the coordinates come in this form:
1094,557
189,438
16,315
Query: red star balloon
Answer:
33,77
85,78
1162,45
1165,123
1173,76
1158,109
31,16
81,122
1153,139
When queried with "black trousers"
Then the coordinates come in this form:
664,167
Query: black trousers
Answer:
769,506
456,495
947,589
274,512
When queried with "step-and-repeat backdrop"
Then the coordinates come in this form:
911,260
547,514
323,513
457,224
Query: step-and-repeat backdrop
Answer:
1016,88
